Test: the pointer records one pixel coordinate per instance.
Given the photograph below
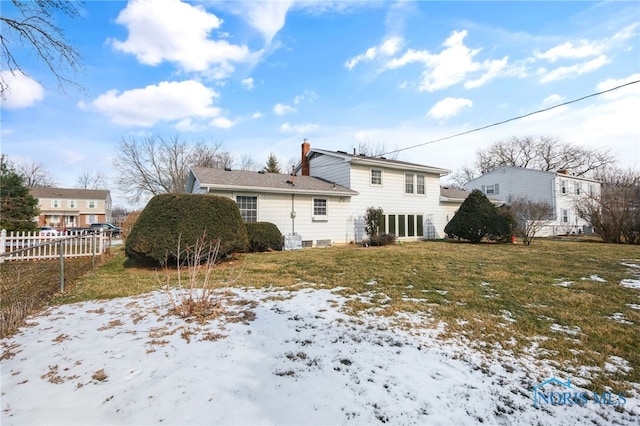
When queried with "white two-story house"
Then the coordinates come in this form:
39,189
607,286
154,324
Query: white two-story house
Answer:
327,198
561,190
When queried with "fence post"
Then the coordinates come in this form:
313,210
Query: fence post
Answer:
3,243
61,266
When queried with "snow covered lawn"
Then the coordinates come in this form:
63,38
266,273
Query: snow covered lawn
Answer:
279,357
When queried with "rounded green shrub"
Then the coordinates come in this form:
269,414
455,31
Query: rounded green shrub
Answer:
263,236
172,222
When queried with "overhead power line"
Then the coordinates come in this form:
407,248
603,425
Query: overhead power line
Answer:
510,119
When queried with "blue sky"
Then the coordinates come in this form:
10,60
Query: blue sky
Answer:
261,76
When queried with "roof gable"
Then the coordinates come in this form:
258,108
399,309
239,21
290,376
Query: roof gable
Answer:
378,162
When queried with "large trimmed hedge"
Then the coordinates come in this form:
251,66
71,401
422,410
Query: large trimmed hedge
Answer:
169,220
263,236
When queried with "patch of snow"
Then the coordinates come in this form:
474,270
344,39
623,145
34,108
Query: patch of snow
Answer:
619,317
506,315
594,278
372,282
633,306
572,330
442,292
564,283
631,265
629,283
302,360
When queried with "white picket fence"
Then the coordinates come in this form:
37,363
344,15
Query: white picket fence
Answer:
37,246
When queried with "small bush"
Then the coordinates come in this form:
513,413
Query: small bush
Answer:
128,222
382,240
179,220
263,236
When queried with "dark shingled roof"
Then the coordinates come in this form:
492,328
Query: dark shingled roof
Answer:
267,182
73,193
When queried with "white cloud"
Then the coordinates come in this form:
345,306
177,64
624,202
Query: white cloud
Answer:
22,92
568,50
282,109
256,115
248,83
451,66
298,128
223,123
553,99
611,83
494,68
308,96
561,73
178,32
268,17
449,107
388,47
167,101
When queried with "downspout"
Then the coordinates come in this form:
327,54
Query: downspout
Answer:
293,215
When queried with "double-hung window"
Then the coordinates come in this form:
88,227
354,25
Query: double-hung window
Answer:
320,209
248,206
56,204
376,177
408,183
420,185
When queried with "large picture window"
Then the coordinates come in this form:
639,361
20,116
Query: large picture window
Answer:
248,206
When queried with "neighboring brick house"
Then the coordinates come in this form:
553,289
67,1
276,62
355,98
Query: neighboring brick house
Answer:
71,208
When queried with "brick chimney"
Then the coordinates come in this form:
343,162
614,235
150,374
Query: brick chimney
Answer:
305,160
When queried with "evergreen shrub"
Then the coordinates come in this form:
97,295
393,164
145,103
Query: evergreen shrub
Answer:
172,221
263,236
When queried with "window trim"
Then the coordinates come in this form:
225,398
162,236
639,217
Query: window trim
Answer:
244,216
411,182
424,184
320,217
371,171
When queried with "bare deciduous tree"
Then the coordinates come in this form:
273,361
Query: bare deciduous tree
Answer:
155,165
32,23
615,211
247,162
91,180
375,149
531,216
35,175
537,152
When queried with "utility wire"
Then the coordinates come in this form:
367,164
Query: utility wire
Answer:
510,119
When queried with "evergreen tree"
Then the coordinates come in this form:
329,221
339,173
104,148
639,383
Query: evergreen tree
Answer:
272,164
477,218
17,206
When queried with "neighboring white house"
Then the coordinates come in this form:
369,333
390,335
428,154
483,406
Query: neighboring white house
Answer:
559,189
325,202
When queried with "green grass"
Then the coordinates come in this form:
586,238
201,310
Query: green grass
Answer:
471,288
